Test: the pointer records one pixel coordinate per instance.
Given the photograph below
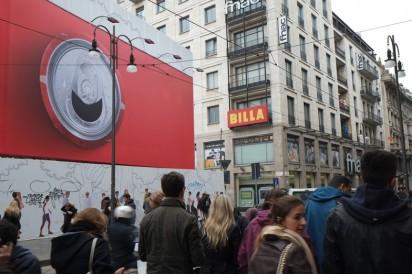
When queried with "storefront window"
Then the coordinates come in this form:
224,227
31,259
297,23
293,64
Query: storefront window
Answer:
324,179
335,156
309,151
257,149
323,154
293,149
293,180
310,180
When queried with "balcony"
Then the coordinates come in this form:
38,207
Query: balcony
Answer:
292,120
305,89
366,69
341,53
370,95
252,47
240,82
346,135
374,142
307,124
344,107
372,119
343,82
285,10
237,14
301,22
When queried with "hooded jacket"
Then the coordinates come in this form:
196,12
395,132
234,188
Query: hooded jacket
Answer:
317,210
70,252
247,246
24,262
369,233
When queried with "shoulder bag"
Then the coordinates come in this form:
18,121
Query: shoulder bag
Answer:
282,259
92,256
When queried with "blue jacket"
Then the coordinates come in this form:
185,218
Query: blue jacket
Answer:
317,209
24,262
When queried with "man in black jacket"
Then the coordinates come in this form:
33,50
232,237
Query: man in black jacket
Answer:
122,235
169,236
372,231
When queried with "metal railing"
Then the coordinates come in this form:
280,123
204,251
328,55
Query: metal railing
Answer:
327,42
343,81
367,70
322,128
252,46
344,107
243,80
341,53
346,135
372,117
369,93
292,120
325,13
307,124
211,52
287,46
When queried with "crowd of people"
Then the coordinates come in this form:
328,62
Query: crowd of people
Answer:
331,233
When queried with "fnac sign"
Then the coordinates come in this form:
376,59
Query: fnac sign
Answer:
248,116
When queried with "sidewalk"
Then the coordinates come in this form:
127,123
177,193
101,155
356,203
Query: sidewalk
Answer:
40,248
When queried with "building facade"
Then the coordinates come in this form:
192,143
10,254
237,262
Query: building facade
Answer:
289,92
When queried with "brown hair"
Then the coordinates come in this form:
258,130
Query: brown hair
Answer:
94,216
271,197
282,206
157,197
13,209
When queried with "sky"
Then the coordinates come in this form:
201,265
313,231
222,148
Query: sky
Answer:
366,14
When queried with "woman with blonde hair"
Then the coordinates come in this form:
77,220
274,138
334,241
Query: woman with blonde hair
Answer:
82,249
221,238
13,214
280,248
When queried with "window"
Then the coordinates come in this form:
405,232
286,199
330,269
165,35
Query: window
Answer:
302,43
213,115
331,100
255,73
249,38
211,47
328,64
326,30
293,148
355,105
184,24
306,112
323,154
313,3
256,149
309,152
182,1
301,16
316,56
350,54
321,121
256,102
319,89
139,11
325,8
210,14
162,28
212,80
160,7
353,80
285,8
333,123
305,88
291,111
335,156
289,81
314,26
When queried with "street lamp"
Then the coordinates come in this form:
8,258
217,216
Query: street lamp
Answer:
131,68
399,72
197,69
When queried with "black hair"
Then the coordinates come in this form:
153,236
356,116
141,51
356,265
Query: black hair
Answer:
14,194
172,184
282,207
127,196
271,196
8,232
337,180
378,167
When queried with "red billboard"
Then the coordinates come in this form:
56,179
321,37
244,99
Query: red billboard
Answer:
55,102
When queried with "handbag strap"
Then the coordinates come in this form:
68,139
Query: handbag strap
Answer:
282,259
92,255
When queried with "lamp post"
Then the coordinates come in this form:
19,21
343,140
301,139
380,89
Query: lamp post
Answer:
194,68
131,68
399,72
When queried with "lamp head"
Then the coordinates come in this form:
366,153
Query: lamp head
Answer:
94,52
389,63
177,57
131,67
149,41
401,71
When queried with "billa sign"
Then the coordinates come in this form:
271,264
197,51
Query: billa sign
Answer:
248,116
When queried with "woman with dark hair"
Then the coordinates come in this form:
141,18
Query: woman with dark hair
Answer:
69,210
72,251
221,238
255,226
280,248
46,215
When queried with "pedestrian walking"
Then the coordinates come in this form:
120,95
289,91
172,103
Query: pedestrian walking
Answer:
13,257
221,238
318,207
372,231
247,246
122,235
69,211
169,236
46,215
13,215
71,252
280,248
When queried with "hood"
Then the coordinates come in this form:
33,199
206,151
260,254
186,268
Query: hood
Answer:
262,217
65,248
373,205
325,194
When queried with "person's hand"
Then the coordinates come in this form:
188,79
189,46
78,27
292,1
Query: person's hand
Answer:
120,271
5,253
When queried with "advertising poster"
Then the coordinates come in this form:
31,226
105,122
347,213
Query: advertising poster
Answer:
214,152
323,154
309,151
335,156
293,149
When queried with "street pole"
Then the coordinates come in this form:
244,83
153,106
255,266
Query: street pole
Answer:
113,166
404,166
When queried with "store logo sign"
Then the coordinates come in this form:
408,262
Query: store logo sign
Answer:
352,166
232,6
283,30
248,116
